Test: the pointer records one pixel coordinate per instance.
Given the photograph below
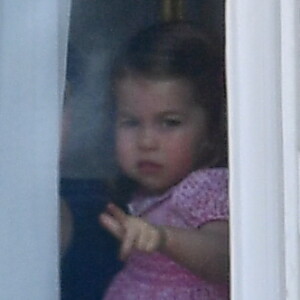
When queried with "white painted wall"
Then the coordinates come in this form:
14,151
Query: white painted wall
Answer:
33,37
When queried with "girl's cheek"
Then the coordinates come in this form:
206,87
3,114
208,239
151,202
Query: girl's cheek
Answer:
123,138
124,145
183,148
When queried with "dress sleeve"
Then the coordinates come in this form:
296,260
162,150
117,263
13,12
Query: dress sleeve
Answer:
203,197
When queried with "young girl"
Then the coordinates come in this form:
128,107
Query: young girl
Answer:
169,105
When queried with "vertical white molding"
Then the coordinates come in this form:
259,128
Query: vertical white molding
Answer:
290,48
256,163
30,106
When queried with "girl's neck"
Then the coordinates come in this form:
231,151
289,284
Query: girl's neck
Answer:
146,192
143,191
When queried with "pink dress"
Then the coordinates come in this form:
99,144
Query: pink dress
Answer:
200,198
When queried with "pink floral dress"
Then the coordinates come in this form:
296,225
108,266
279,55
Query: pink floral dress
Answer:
200,198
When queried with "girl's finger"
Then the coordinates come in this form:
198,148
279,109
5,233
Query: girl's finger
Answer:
111,224
117,212
128,243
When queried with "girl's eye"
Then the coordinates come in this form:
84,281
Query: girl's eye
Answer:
172,122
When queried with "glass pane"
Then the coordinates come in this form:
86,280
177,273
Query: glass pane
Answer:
97,31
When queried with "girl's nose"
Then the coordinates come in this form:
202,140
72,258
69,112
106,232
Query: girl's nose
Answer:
147,139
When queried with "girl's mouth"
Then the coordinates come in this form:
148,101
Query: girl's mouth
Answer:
148,167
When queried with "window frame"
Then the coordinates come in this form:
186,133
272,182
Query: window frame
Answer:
262,74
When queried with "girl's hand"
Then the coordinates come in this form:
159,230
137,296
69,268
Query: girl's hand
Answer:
133,232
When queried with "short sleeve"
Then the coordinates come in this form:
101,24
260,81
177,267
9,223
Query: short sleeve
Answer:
203,197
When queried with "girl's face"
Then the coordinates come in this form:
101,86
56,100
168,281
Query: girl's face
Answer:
159,131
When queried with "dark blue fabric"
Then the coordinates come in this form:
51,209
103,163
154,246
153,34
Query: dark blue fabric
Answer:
91,260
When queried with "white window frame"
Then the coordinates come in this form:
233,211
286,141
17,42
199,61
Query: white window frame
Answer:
263,93
290,66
